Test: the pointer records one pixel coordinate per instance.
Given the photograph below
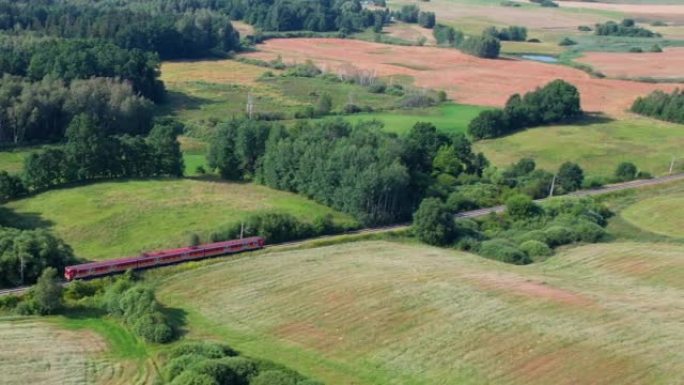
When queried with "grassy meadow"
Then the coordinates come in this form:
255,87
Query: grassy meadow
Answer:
59,350
114,219
447,118
12,160
393,313
597,147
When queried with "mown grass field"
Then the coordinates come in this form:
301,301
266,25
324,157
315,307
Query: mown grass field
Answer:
393,313
12,160
661,213
58,350
115,219
447,118
597,147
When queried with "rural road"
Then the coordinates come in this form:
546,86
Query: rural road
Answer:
467,214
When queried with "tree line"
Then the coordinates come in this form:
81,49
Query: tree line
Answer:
486,46
41,111
89,154
556,102
626,27
661,105
184,32
68,60
375,176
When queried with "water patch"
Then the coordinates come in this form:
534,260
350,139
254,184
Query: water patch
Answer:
541,58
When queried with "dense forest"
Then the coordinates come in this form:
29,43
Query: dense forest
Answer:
661,105
375,176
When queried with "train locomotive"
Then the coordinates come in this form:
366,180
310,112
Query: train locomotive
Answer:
161,258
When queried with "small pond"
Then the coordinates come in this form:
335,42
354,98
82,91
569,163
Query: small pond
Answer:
541,58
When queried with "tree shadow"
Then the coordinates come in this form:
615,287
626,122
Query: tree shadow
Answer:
177,319
590,118
23,221
177,99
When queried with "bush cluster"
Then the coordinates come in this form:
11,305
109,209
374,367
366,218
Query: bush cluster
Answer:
278,228
556,102
486,47
661,105
512,33
626,27
446,35
137,306
199,363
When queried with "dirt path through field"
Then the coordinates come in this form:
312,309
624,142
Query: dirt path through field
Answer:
465,78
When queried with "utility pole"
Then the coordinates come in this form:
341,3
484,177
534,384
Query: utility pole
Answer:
553,185
242,229
672,163
250,105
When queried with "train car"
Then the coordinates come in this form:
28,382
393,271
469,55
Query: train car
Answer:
160,258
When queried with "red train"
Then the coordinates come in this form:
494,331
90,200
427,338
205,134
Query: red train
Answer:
160,258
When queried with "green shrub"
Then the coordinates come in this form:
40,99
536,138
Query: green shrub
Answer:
503,251
178,364
521,207
566,41
536,249
636,50
589,232
533,235
243,367
203,349
189,377
655,48
558,236
626,171
433,223
152,327
217,370
274,377
377,88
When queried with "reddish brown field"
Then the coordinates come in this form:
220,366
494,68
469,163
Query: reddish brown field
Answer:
466,79
667,64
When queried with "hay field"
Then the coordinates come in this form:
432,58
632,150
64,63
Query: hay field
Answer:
668,64
597,147
115,219
467,79
662,215
37,351
391,313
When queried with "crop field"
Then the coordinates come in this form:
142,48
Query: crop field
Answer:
663,65
447,118
467,80
115,219
383,312
669,10
597,147
39,352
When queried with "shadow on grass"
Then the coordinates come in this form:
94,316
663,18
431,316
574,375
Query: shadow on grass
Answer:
591,118
23,221
176,100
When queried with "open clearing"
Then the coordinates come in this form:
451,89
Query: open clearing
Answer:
662,215
116,219
35,351
467,79
598,147
391,313
447,118
668,64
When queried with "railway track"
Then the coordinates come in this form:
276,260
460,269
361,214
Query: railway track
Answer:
467,214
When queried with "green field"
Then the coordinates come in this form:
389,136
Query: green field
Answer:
12,160
391,313
597,147
115,219
447,118
662,215
65,351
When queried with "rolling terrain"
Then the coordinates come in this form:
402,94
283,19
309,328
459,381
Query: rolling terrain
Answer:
116,219
391,313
